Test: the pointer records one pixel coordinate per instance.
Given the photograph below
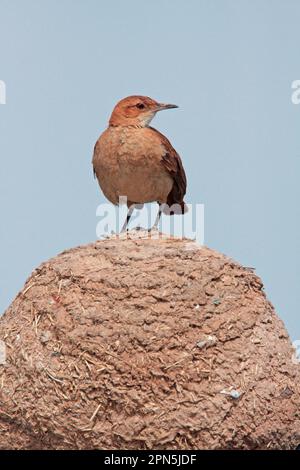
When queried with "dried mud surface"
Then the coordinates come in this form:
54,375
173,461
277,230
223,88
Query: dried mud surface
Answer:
146,344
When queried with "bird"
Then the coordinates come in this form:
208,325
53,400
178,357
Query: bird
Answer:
134,160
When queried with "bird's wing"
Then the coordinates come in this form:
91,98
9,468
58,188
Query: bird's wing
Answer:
171,161
94,157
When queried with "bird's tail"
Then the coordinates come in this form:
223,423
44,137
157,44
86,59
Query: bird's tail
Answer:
175,208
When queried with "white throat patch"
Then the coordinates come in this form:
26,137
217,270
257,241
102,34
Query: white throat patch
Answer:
146,119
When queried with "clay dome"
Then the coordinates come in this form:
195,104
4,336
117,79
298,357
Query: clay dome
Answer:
143,343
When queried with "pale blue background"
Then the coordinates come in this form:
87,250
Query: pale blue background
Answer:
229,64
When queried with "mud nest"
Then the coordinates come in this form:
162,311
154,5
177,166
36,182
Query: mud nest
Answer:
142,344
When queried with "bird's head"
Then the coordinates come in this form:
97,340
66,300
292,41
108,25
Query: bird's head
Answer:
136,111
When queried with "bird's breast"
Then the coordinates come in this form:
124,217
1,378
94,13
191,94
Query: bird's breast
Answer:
128,163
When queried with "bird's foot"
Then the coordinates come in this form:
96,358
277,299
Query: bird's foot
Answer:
105,236
153,232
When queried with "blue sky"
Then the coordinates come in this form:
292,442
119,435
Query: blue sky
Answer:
228,64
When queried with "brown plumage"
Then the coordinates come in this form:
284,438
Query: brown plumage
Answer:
173,164
135,160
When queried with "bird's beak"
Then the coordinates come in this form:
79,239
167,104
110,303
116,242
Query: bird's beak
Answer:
162,106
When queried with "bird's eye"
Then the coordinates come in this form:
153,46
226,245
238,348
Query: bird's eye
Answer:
140,105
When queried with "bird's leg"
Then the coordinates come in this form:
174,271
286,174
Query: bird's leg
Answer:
155,226
129,214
